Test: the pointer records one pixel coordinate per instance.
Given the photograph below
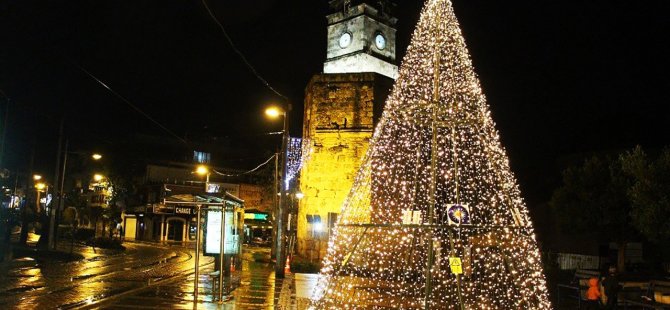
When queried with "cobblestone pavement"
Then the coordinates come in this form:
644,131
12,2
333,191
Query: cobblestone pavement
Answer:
29,284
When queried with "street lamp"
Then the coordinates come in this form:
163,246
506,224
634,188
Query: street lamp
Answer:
38,187
61,201
204,171
98,177
275,112
37,177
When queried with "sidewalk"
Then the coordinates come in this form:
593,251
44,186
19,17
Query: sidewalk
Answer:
64,249
297,290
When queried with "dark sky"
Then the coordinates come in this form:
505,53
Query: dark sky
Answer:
562,77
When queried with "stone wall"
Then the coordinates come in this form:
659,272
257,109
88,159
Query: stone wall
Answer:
256,197
340,113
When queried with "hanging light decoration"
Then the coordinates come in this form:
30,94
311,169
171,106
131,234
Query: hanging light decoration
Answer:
298,152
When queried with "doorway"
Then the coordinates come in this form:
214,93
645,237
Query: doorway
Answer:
175,231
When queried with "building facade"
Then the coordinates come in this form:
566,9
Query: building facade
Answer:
342,106
167,204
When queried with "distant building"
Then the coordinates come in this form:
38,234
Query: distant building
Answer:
168,198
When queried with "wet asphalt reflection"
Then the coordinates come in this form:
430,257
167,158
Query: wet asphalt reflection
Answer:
257,289
29,284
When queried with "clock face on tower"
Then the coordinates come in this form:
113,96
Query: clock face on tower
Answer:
345,40
380,41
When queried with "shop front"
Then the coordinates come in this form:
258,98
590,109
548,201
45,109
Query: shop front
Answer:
173,216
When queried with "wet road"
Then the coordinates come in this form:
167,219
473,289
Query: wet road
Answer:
29,284
258,289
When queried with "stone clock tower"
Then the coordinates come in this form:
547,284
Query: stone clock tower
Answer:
342,106
361,38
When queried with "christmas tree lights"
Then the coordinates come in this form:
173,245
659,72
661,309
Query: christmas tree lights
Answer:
435,218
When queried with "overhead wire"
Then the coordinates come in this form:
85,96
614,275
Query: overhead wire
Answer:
239,53
28,108
134,107
246,172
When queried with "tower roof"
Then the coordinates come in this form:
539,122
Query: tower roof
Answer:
380,9
385,6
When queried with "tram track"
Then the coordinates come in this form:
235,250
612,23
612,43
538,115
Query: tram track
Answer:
112,297
64,288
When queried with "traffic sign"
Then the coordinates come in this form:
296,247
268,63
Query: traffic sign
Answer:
455,264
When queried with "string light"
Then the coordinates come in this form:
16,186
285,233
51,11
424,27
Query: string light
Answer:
435,148
297,153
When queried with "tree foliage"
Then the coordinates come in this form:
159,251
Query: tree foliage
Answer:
649,194
593,199
617,197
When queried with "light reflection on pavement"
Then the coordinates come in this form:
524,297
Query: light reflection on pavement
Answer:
258,289
145,276
29,284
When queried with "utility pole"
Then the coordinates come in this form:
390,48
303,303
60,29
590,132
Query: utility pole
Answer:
61,190
281,248
55,207
23,237
4,130
275,200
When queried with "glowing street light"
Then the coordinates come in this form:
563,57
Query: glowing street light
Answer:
202,170
38,188
98,177
274,112
59,182
37,177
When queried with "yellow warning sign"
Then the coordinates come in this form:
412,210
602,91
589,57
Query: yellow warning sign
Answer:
455,264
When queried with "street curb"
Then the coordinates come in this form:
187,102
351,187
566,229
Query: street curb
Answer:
286,293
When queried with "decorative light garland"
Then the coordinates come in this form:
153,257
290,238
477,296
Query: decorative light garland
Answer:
396,244
297,153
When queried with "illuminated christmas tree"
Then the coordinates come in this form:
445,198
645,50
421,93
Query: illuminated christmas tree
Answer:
435,218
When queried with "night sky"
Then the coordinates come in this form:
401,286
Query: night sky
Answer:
563,78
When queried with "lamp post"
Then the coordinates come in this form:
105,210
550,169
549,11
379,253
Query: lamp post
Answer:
280,255
203,170
61,201
38,188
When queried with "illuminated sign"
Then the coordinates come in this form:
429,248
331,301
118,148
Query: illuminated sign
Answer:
213,187
458,214
213,233
182,210
256,216
411,217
